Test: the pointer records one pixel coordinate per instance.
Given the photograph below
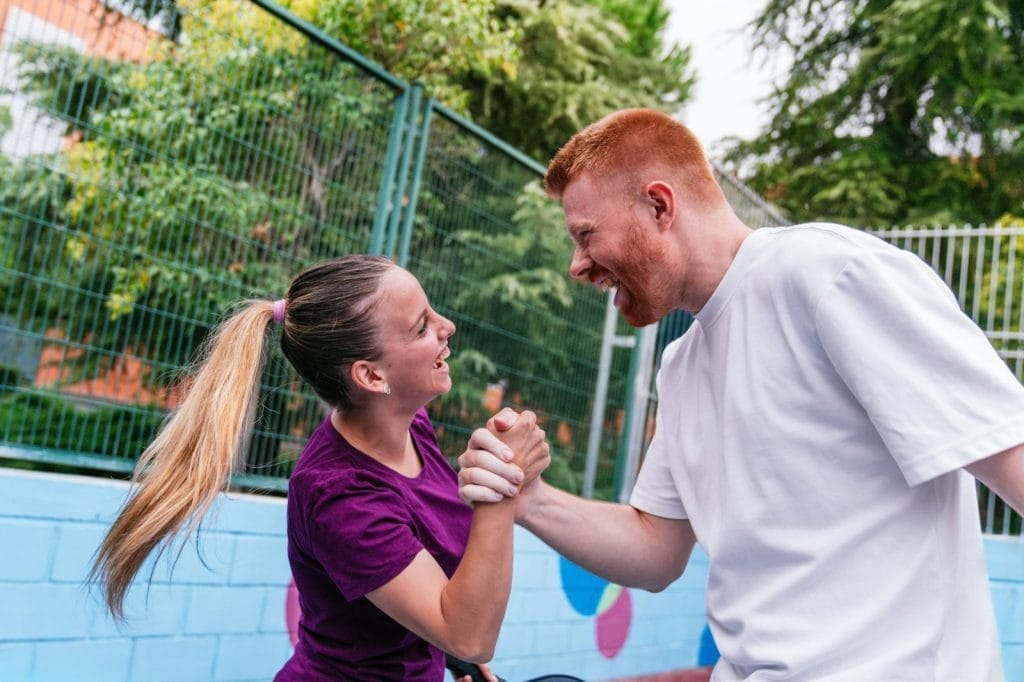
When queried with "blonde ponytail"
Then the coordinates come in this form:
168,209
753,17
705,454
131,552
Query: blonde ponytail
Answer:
190,461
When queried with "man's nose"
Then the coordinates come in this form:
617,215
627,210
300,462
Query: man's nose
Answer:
580,265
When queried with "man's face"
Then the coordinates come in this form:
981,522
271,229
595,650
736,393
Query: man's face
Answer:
618,245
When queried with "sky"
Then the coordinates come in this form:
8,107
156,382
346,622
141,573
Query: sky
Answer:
730,79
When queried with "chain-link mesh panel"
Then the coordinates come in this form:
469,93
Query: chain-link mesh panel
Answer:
492,253
752,209
151,178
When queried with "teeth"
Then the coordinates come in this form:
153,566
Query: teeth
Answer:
441,358
607,284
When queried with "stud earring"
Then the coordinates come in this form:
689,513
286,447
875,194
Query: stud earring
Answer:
387,389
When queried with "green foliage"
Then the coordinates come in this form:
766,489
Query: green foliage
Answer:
895,111
6,121
435,42
561,474
54,421
644,20
233,155
10,377
523,325
182,195
579,61
1000,303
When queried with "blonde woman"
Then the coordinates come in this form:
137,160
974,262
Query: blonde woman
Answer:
392,568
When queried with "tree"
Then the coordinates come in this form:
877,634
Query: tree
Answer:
434,42
579,61
222,163
211,171
895,111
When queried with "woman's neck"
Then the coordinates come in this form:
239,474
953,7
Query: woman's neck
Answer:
383,436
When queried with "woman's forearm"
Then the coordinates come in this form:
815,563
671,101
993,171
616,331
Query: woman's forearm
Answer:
473,603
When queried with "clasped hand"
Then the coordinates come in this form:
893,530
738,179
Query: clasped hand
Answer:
503,458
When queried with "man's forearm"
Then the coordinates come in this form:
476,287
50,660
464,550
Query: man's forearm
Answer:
614,541
1003,473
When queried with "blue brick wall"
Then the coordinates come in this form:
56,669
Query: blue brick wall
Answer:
209,619
222,617
1005,559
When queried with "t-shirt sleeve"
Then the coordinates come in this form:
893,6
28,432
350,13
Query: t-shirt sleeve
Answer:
655,491
363,534
935,389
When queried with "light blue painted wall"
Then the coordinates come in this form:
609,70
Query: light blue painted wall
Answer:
225,619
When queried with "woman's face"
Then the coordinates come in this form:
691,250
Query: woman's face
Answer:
413,340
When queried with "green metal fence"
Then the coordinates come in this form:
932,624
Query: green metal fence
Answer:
984,267
149,185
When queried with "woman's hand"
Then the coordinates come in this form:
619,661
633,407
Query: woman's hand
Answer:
485,670
503,476
487,474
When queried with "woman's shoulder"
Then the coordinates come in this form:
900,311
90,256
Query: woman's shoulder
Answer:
327,465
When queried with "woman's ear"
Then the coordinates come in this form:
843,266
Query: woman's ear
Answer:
366,376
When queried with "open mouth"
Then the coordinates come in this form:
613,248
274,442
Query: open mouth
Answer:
607,284
439,362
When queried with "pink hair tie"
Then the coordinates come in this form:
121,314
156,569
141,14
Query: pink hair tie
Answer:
279,311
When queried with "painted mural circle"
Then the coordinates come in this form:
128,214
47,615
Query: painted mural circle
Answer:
292,611
611,604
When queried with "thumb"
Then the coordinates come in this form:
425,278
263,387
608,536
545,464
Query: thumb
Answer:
504,420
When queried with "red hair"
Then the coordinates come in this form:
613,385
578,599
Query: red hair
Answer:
631,141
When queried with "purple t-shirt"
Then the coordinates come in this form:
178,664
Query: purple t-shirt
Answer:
353,525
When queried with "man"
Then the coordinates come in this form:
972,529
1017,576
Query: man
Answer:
812,429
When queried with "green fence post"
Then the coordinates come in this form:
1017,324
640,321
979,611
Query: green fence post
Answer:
422,141
386,198
622,453
409,136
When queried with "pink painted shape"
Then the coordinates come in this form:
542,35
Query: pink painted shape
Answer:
613,626
292,612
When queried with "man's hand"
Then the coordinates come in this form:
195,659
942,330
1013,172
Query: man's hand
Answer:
503,476
487,475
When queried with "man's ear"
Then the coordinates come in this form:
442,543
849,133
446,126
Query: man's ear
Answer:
366,376
662,200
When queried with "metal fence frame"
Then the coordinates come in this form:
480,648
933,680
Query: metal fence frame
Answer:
414,117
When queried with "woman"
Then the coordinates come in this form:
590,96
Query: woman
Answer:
392,568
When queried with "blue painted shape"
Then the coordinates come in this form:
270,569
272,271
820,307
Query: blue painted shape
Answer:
708,652
583,589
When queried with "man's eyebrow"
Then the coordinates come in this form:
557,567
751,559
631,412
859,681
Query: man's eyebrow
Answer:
581,226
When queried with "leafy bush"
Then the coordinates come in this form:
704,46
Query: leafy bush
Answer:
55,421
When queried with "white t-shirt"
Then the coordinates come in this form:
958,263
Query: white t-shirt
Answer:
812,424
